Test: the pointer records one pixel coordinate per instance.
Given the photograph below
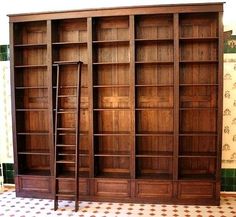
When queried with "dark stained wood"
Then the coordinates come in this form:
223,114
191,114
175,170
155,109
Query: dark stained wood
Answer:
151,103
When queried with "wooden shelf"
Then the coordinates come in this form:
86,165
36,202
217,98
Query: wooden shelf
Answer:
69,43
153,108
33,133
113,154
198,61
198,39
111,63
32,110
197,154
157,40
154,85
75,62
160,176
35,152
190,85
155,154
154,134
111,42
112,86
111,133
155,62
31,172
30,87
31,66
36,45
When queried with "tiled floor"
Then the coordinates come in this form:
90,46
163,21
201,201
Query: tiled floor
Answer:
11,206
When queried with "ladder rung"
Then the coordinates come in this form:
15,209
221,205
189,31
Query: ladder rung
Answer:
66,129
65,162
61,96
65,195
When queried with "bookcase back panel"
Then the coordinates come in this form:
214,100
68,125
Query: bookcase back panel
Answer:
30,33
112,166
195,96
71,30
111,28
199,25
31,56
154,166
154,52
154,27
33,164
154,145
111,98
112,121
112,145
152,97
111,75
199,51
32,99
71,52
205,145
152,74
198,74
32,121
34,77
154,121
111,53
198,121
33,143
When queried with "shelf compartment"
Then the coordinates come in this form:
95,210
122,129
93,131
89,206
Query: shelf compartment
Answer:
111,53
68,75
31,56
111,75
154,121
199,51
197,145
154,27
70,52
198,96
28,33
154,52
195,168
34,164
31,98
199,25
111,28
116,167
198,73
153,97
32,121
69,31
112,145
156,167
108,98
198,121
112,122
154,145
31,143
149,74
68,121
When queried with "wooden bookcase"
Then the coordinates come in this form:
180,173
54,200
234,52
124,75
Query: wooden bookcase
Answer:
151,102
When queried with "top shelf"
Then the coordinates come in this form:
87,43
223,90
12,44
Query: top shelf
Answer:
198,39
34,45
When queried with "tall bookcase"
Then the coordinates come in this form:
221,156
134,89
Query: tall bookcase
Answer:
150,109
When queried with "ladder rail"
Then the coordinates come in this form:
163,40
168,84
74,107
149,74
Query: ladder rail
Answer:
55,141
77,136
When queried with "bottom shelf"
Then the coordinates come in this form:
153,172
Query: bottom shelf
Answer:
160,176
35,172
197,177
112,175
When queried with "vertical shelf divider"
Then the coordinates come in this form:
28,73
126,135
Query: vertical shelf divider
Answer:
90,94
132,93
176,96
220,103
50,94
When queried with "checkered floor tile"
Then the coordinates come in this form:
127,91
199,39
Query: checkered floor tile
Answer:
10,206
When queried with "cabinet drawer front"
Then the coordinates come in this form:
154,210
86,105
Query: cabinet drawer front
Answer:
67,186
153,189
196,190
31,183
112,188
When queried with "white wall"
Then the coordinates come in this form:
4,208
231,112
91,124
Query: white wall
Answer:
27,6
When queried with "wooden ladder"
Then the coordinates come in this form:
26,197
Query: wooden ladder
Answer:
63,157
